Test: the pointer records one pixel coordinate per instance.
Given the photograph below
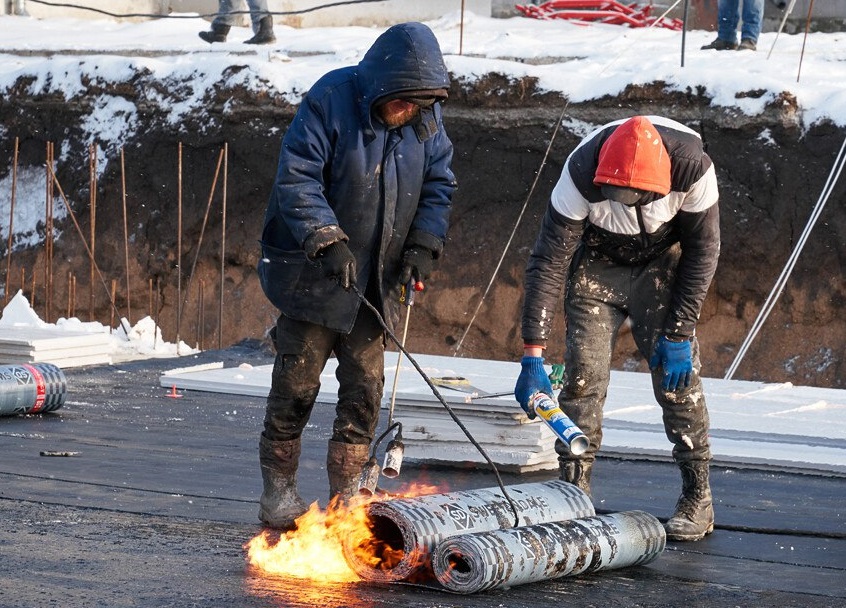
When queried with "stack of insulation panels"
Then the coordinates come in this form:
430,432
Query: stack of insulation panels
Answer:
498,424
49,345
751,422
511,440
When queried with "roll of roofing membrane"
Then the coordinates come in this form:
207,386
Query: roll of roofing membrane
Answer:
405,531
470,563
31,388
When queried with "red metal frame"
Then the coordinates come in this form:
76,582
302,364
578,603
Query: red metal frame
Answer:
601,11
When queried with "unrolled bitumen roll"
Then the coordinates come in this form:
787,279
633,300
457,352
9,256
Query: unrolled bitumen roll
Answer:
405,531
31,388
470,563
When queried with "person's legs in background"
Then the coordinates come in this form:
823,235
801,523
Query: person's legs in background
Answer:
752,17
221,24
262,22
260,18
728,15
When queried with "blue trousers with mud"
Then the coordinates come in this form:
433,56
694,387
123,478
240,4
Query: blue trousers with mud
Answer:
601,295
302,351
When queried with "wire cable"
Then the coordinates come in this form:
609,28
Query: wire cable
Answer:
195,15
514,230
833,176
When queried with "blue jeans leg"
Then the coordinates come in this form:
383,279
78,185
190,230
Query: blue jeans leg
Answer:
728,16
753,14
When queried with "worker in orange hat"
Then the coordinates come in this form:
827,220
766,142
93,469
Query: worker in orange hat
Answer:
632,230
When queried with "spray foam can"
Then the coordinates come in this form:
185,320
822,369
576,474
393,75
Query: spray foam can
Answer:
31,388
560,423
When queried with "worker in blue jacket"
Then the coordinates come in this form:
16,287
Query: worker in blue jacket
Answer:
362,197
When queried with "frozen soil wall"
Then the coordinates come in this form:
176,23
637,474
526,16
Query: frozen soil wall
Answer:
771,171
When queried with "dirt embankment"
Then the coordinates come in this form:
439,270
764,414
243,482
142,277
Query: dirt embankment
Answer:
771,172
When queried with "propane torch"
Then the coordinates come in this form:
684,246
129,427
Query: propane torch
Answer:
395,449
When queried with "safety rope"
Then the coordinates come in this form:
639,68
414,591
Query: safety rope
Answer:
836,169
195,15
440,398
514,230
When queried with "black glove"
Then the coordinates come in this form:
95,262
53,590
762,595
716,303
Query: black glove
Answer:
417,261
338,263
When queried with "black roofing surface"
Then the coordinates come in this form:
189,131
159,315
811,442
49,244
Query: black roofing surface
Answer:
160,494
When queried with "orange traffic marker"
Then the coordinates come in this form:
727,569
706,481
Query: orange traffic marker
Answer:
173,393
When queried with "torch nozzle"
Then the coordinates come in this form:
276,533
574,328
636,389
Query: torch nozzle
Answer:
369,478
393,458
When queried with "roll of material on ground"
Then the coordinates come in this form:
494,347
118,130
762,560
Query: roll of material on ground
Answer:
405,531
31,388
470,563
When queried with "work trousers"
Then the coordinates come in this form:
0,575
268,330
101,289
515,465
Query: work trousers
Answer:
225,16
302,350
601,295
730,12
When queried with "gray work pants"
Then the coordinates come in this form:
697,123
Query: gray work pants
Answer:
225,9
302,350
601,294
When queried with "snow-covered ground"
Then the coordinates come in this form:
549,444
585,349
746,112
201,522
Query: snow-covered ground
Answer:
582,61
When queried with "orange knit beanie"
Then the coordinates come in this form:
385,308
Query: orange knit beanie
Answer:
634,156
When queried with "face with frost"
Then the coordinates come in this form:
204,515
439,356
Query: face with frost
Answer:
397,112
400,111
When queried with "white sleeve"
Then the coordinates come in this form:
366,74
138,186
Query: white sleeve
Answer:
566,198
703,194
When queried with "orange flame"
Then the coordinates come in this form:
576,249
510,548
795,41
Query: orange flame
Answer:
313,550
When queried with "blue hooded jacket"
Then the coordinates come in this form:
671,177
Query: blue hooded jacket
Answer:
343,175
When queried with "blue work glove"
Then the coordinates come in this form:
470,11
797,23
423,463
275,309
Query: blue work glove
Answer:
417,262
675,359
533,379
338,263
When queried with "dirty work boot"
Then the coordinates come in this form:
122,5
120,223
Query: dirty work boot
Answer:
218,33
576,472
694,516
280,503
720,45
265,32
344,462
747,44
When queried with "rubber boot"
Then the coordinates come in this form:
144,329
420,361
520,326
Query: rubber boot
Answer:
218,33
280,503
576,472
264,35
694,516
344,462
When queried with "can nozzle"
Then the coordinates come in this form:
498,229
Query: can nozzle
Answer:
560,424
